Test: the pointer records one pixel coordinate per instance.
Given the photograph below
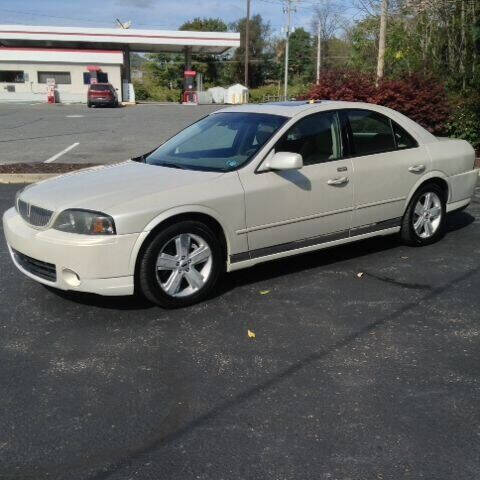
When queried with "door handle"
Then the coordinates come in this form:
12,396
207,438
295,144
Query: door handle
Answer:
337,181
416,168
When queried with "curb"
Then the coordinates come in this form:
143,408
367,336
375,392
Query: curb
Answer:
25,177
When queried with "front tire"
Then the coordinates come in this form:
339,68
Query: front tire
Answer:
425,218
181,265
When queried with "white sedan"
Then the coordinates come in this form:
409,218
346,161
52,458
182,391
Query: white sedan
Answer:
241,186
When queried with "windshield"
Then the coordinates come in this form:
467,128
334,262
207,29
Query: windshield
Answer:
220,142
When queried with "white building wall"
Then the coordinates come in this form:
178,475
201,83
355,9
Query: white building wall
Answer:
32,91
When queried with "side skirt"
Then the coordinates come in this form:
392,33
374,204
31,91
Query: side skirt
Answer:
246,259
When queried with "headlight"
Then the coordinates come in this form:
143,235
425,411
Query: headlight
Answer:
85,222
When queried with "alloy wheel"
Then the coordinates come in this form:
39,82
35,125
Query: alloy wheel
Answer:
184,265
427,215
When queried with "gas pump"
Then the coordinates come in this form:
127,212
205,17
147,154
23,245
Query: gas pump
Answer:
190,96
51,95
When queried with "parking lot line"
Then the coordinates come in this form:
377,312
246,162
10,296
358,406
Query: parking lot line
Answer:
63,152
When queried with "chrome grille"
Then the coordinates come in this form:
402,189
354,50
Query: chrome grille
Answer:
36,216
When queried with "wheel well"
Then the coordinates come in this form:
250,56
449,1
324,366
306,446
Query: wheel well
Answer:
439,182
199,217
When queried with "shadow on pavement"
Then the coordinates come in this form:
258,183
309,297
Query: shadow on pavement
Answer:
270,270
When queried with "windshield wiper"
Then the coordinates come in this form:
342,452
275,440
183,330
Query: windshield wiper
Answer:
143,158
171,165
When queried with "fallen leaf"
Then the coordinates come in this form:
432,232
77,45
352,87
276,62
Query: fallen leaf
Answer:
360,274
264,292
250,334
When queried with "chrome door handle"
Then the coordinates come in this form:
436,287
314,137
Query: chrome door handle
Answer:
337,181
416,168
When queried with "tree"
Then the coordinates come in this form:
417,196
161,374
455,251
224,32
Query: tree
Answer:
382,40
260,53
300,66
205,25
428,36
164,70
207,63
327,19
136,60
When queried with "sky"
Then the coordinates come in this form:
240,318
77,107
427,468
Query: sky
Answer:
151,14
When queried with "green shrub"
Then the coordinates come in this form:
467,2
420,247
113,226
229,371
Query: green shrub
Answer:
465,121
163,94
262,94
147,91
141,92
268,93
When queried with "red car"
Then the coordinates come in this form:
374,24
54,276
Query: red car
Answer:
102,94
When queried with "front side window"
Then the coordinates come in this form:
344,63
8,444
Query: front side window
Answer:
220,142
12,76
317,138
371,132
61,78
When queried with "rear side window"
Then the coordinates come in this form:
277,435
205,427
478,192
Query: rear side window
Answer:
402,138
371,132
317,138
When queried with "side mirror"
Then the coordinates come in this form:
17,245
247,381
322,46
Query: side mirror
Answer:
282,161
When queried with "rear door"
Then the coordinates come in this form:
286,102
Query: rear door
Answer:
387,163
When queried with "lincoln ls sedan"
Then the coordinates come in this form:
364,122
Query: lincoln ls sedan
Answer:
242,185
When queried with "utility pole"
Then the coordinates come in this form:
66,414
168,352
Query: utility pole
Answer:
319,51
247,42
382,40
289,21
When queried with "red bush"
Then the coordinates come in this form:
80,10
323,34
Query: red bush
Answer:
421,98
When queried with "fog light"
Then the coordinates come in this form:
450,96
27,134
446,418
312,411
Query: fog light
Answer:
71,277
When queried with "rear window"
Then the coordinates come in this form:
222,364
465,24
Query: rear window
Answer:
99,88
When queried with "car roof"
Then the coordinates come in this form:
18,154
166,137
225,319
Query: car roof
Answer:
295,107
301,107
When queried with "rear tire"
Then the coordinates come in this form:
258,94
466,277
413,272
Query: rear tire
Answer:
425,218
89,105
181,265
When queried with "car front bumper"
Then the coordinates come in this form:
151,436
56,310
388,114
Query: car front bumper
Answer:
84,263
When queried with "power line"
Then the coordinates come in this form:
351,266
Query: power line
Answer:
82,19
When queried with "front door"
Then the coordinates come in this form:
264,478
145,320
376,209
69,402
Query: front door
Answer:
299,205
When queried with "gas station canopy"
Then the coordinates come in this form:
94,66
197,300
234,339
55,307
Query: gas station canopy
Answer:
154,41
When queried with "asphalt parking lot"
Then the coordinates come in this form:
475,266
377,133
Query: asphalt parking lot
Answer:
371,376
39,132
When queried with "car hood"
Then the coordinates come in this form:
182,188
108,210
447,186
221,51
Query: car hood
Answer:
101,188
